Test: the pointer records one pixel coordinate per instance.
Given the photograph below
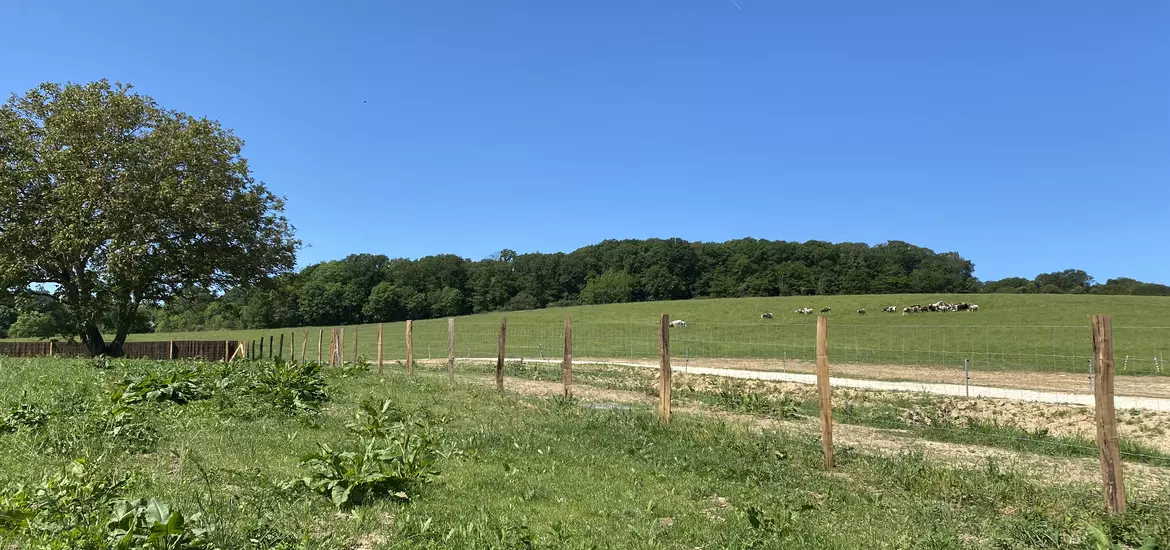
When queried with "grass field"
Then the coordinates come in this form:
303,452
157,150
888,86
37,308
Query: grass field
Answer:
1010,332
221,443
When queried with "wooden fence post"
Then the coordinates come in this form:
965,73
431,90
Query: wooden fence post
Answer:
270,340
379,348
500,356
664,369
409,347
261,348
320,341
304,345
567,362
227,351
355,346
341,347
252,350
292,347
451,347
332,344
50,348
824,389
1111,475
280,353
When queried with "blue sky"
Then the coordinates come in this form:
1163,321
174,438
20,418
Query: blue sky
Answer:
1028,136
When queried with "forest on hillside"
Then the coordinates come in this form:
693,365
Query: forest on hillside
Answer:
374,288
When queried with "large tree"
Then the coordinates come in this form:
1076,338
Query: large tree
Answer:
115,202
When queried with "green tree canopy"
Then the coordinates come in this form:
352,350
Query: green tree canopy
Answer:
117,202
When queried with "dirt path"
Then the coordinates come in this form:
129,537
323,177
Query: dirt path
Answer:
886,442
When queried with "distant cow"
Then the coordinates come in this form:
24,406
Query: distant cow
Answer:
890,309
826,310
861,311
678,323
766,316
803,311
973,307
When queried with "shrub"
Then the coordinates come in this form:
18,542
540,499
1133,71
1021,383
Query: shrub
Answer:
291,387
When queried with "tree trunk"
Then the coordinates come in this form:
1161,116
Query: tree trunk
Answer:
94,343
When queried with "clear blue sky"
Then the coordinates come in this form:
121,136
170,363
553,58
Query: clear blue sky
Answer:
1028,136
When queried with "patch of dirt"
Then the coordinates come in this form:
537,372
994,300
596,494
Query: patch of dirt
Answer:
1139,477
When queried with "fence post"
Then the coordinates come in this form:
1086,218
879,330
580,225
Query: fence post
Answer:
1112,479
50,348
252,349
451,348
341,347
409,347
332,344
824,389
270,340
320,346
280,353
304,345
967,375
292,347
500,356
261,348
379,348
664,369
567,361
227,351
355,345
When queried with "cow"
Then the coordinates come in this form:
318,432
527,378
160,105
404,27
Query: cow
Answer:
861,311
826,310
890,309
677,323
803,311
766,316
973,307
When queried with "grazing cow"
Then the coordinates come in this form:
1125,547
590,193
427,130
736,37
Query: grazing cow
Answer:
861,311
890,309
826,310
973,307
804,311
766,316
678,323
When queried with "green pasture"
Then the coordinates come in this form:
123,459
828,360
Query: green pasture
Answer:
1010,331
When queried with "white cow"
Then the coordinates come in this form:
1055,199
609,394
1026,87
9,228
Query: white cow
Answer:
678,323
890,309
973,307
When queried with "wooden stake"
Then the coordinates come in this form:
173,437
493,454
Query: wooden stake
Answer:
270,339
500,356
340,347
664,369
355,346
227,351
261,348
451,347
567,362
280,353
332,345
1113,481
379,348
304,345
409,347
292,347
170,350
824,389
320,341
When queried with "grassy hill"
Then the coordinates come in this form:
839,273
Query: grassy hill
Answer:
1031,332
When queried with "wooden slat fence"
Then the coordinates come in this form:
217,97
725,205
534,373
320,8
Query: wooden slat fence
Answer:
206,349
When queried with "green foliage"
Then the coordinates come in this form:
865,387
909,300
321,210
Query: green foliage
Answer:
375,419
34,324
611,287
25,415
75,509
387,466
180,385
290,387
128,211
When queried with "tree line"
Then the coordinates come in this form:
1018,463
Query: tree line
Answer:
364,288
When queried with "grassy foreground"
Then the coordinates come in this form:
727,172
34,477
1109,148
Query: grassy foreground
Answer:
224,442
1021,332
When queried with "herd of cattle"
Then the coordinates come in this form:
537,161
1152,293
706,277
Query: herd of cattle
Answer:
937,306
